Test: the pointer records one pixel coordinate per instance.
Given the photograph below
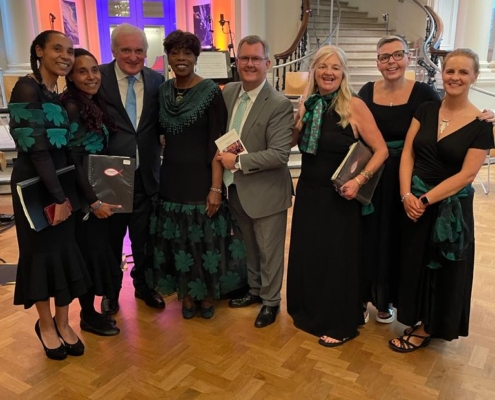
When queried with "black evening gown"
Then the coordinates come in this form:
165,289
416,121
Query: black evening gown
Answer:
50,262
440,298
323,279
193,254
92,233
381,228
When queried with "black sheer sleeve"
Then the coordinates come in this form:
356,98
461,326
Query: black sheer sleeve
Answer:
38,125
77,152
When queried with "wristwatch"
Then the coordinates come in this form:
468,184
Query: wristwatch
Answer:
237,164
425,201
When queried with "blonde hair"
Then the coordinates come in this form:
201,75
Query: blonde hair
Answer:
341,102
465,52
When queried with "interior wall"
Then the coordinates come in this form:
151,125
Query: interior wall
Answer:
3,50
282,23
405,17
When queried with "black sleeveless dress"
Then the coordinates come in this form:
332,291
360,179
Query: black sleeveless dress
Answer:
323,279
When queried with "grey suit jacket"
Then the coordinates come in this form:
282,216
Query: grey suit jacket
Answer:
123,142
264,184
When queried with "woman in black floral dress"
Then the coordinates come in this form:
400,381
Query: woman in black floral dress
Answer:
50,263
195,252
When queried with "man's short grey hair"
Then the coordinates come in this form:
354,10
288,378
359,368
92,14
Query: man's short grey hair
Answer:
253,39
128,29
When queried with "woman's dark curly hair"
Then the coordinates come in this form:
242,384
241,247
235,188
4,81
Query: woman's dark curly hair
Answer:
93,110
182,40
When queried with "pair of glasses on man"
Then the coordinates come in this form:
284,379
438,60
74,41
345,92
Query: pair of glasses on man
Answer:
245,60
397,56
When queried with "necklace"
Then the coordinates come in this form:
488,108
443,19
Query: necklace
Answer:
392,101
182,92
445,122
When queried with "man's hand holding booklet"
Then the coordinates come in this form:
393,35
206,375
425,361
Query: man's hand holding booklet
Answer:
231,143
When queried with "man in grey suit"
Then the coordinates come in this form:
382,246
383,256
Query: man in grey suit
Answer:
126,84
261,190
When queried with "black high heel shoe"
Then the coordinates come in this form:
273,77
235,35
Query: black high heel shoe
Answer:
76,349
54,354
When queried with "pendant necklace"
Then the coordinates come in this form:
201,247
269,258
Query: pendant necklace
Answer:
182,92
445,122
392,101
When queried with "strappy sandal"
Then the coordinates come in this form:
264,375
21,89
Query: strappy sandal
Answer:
322,342
406,346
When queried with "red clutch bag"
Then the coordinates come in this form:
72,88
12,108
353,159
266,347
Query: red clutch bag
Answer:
50,211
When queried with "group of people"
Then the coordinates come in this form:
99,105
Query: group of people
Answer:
414,248
208,224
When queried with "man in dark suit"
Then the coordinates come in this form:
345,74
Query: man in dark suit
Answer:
261,190
130,92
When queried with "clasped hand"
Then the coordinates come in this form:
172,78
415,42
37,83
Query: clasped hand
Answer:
349,190
62,212
106,210
413,207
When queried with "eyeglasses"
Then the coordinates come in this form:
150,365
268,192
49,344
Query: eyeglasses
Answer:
397,55
245,60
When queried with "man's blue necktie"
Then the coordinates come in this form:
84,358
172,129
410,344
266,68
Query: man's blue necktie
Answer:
130,101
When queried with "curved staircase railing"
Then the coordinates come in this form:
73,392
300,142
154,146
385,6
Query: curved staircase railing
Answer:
291,59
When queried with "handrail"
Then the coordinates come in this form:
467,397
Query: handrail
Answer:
300,34
487,92
328,39
429,38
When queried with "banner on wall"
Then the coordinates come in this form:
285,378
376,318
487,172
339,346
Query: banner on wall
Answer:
69,15
202,24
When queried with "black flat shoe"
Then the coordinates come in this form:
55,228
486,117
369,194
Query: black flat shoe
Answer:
108,329
151,298
189,312
245,301
207,312
76,349
54,354
109,306
267,316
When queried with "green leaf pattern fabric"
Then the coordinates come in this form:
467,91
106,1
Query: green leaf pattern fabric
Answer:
194,254
36,126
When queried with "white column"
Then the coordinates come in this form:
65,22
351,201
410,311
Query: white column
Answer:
19,30
253,20
473,27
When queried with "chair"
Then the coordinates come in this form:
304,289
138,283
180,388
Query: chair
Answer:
295,83
490,159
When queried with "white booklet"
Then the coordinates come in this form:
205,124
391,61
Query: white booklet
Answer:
231,143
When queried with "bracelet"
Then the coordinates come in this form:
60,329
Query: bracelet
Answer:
216,190
367,174
404,197
98,205
358,181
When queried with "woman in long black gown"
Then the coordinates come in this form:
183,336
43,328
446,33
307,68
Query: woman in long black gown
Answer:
323,281
392,101
50,263
90,132
445,147
194,250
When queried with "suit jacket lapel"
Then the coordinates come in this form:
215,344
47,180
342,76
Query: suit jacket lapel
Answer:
111,86
258,105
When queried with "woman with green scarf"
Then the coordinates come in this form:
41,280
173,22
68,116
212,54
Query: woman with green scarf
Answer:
195,251
323,282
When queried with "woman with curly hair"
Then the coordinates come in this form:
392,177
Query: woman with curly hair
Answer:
195,254
90,128
50,262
